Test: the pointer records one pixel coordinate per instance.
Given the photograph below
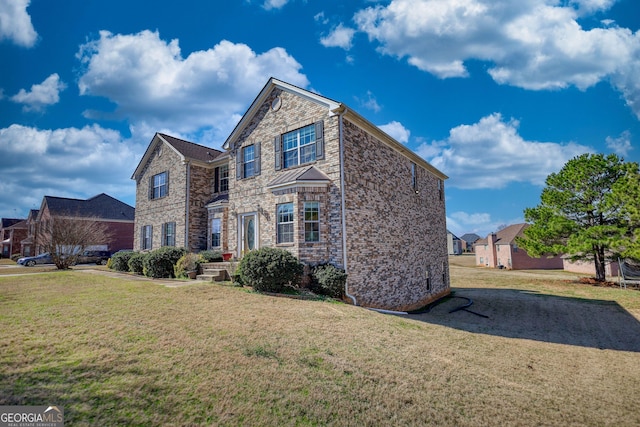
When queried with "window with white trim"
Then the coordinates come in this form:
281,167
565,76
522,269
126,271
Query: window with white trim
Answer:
216,241
221,179
169,234
311,221
414,180
159,185
146,237
248,161
284,218
299,146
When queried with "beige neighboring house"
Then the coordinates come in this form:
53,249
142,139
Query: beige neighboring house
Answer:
308,174
500,250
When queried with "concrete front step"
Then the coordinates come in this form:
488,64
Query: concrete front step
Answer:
216,271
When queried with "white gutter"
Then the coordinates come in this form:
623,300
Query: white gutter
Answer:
186,213
344,214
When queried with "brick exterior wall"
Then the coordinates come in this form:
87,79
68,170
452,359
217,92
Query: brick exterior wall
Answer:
251,195
396,235
170,208
506,255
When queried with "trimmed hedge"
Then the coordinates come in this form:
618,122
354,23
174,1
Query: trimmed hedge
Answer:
270,270
136,263
120,260
188,262
211,255
160,263
329,280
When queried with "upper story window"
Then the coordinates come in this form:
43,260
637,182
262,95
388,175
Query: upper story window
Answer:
285,223
440,189
299,146
248,161
304,145
159,185
221,179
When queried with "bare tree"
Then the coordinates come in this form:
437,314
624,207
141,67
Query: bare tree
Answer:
66,237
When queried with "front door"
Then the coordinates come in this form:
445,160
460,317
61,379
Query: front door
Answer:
249,232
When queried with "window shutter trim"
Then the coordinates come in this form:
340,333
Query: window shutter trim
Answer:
239,163
277,148
150,187
216,180
319,140
256,158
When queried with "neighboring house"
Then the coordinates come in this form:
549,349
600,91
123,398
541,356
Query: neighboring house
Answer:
500,250
27,245
454,244
468,240
304,172
12,231
611,269
116,215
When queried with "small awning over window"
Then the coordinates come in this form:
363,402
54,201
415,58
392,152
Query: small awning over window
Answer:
300,177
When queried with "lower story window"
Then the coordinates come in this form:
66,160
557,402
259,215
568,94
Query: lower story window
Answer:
285,223
311,221
145,241
169,234
215,233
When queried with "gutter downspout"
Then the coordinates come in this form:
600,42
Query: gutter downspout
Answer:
342,205
188,201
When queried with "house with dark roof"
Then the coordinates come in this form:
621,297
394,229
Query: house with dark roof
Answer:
468,240
118,217
308,174
500,250
12,231
454,244
27,245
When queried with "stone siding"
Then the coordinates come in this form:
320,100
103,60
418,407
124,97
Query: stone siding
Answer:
251,195
172,207
396,235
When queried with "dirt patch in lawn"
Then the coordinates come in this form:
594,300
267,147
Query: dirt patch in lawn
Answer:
527,314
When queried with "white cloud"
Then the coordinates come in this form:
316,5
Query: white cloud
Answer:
397,131
154,86
41,95
15,23
340,36
620,145
491,154
67,162
533,44
274,4
370,103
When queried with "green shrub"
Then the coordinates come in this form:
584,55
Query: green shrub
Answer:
120,260
188,262
160,263
136,262
211,255
270,270
15,257
328,280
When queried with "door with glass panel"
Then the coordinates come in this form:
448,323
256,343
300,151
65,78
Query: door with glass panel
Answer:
248,232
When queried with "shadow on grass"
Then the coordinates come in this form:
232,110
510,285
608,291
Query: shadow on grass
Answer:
91,394
529,315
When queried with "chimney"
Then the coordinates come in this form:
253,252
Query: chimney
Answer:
491,250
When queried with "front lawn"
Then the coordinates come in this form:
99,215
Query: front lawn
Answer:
124,352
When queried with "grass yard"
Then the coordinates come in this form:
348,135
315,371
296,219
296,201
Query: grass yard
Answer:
124,352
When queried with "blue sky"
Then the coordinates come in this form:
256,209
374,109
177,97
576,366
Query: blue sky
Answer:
495,93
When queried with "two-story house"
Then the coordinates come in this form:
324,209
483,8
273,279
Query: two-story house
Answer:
306,173
500,250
